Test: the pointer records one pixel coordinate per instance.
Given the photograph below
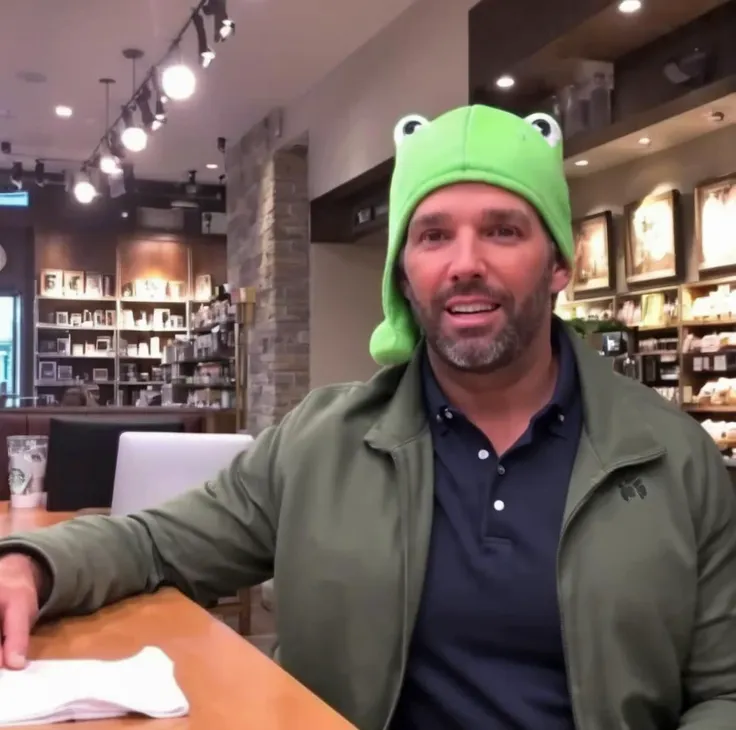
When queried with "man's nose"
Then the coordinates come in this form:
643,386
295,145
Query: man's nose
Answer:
467,257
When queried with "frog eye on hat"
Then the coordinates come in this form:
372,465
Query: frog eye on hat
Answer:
547,126
408,126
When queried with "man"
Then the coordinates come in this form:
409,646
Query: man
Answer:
495,532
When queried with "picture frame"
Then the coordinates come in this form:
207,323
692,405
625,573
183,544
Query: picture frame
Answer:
715,223
109,318
103,344
203,287
99,318
75,319
62,318
51,283
108,286
87,320
64,345
47,370
176,290
100,375
73,283
93,285
595,263
77,349
652,238
64,372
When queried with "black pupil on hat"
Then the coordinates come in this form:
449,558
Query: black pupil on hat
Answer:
409,127
544,127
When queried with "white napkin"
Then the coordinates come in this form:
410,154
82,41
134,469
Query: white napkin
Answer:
61,690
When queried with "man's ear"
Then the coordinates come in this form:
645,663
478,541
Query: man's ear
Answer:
561,274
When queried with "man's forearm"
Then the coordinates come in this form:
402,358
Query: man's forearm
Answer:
85,563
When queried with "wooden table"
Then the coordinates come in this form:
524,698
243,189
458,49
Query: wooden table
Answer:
230,685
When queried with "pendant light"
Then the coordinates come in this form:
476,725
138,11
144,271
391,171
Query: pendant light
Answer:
109,164
134,137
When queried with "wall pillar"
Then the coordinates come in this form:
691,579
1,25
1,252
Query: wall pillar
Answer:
268,248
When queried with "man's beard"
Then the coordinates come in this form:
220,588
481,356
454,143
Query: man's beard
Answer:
489,351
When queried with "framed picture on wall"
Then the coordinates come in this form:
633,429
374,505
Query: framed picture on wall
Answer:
652,238
47,370
715,223
100,375
73,283
93,285
594,262
203,288
51,283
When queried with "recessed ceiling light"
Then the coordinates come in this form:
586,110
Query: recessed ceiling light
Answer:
629,6
581,163
63,111
505,82
645,141
211,166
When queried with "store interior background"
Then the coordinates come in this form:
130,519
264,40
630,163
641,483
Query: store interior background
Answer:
346,117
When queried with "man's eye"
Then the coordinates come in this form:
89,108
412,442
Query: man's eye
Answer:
433,236
505,232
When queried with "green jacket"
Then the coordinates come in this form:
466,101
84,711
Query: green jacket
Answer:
337,501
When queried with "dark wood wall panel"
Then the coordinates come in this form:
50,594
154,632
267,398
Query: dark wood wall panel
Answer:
209,257
83,251
502,33
640,80
149,258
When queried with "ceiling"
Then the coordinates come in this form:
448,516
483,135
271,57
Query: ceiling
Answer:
55,53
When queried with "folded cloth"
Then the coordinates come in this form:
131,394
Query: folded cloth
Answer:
60,690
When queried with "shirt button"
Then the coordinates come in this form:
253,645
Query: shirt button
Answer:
498,505
448,414
483,454
501,469
561,417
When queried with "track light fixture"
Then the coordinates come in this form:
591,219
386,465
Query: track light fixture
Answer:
144,99
39,173
224,27
169,80
206,54
16,175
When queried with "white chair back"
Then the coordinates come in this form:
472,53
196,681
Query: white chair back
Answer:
153,467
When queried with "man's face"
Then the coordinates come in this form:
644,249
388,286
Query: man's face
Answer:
480,272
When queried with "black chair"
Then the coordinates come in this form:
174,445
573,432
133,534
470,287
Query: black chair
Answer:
83,453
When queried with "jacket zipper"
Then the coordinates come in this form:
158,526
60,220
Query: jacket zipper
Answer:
403,517
595,485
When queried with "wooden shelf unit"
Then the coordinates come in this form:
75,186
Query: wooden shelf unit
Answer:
155,257
688,369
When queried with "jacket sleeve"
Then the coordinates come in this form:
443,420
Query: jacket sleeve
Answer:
709,679
209,542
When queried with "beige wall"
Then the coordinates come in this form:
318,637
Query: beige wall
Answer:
418,64
681,168
345,306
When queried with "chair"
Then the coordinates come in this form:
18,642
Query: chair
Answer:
155,467
82,458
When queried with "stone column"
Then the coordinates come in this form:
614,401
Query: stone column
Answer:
268,247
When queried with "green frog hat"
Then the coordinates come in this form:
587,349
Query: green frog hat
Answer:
469,144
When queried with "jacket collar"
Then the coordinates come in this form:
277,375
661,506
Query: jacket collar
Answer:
615,434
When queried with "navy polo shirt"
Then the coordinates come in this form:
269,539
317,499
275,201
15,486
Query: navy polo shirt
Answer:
486,652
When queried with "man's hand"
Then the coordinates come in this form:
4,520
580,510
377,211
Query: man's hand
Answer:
20,584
